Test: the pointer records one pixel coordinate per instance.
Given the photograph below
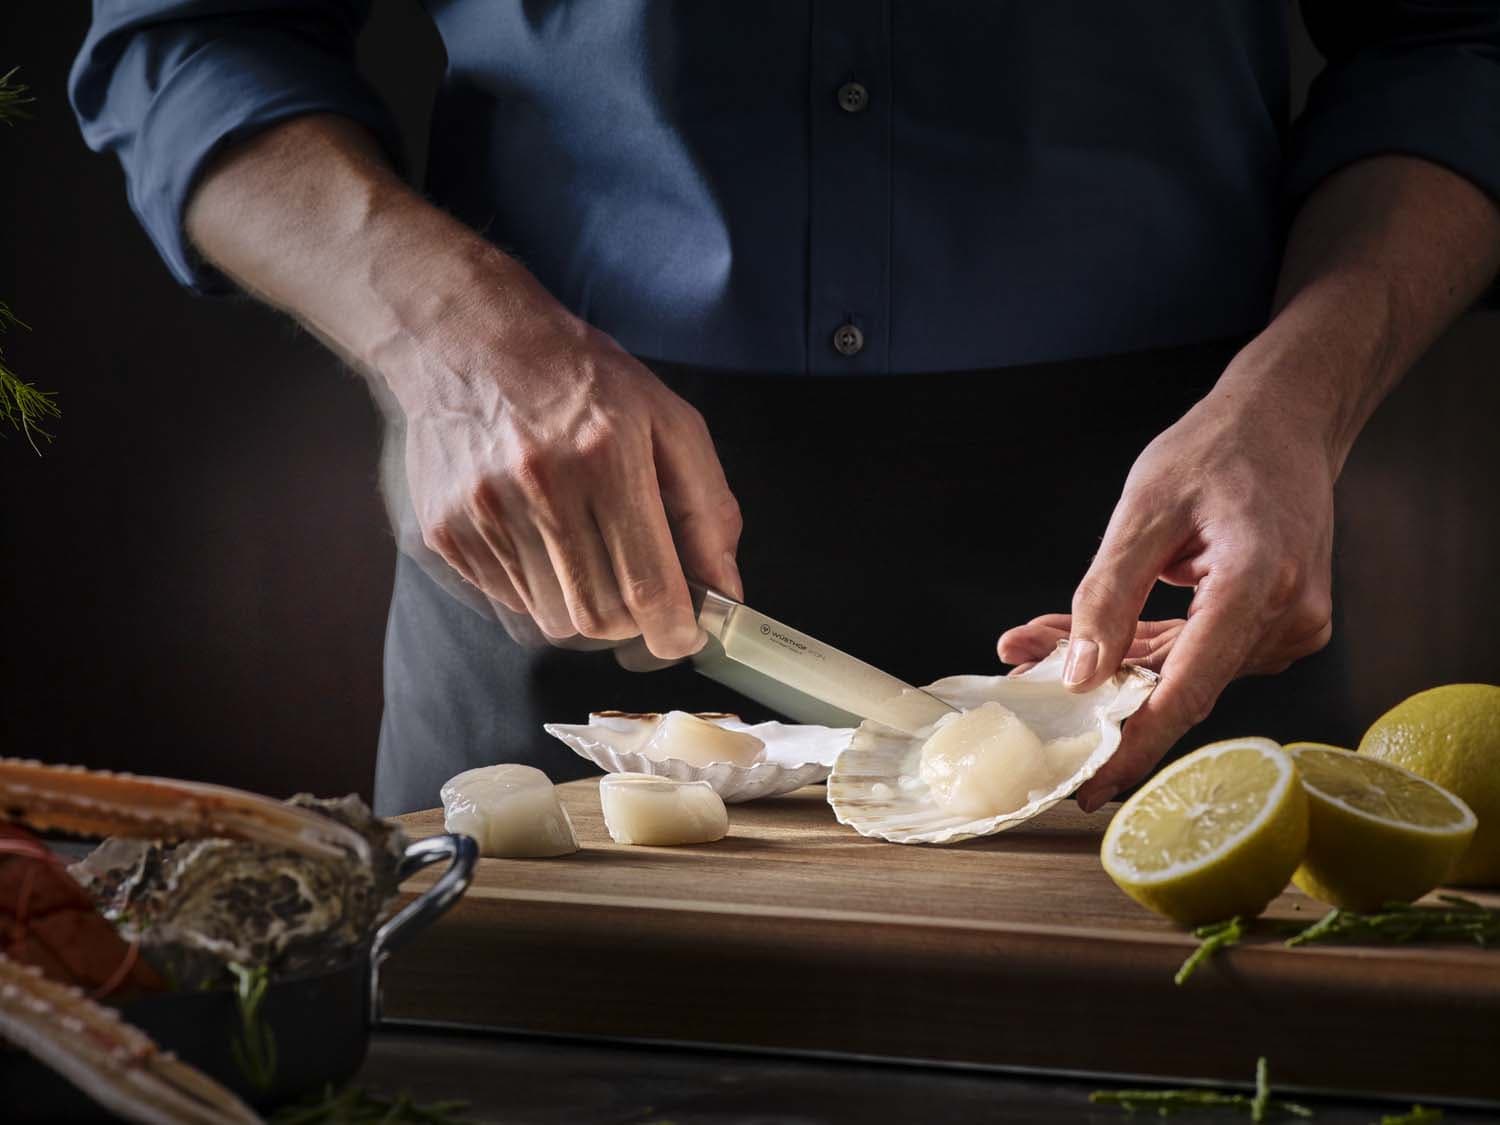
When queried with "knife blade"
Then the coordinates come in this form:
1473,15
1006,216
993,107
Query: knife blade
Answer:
792,673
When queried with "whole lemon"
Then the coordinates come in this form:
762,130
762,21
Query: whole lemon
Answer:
1451,735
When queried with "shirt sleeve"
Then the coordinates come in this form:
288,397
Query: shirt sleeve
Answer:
1417,77
164,84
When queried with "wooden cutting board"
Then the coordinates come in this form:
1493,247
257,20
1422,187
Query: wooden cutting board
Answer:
796,933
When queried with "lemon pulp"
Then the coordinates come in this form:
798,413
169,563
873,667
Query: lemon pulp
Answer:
1216,833
1377,833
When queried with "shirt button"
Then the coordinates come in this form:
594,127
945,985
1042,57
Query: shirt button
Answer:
853,98
848,340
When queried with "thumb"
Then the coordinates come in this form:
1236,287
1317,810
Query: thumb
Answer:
1109,600
703,512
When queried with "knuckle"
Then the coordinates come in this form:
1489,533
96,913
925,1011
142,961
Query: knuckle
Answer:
484,501
1313,642
693,418
599,445
589,621
730,517
440,538
645,594
1287,578
1096,595
1196,703
508,597
532,470
606,625
1315,611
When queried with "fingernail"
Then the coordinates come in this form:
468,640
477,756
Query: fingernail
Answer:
732,570
1083,658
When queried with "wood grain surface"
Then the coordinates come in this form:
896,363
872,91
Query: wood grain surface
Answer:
795,933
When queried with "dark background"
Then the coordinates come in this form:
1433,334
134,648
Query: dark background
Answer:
193,576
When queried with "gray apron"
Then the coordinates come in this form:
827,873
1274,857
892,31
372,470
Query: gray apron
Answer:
907,519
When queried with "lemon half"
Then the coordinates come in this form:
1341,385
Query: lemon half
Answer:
1451,735
1376,833
1215,834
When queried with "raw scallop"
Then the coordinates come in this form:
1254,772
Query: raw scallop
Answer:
698,742
1059,739
795,754
981,762
511,810
642,809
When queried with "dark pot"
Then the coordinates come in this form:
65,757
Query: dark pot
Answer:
320,1022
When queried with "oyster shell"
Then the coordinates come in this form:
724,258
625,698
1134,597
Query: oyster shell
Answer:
796,754
200,905
876,787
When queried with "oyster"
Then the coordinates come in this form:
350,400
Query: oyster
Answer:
200,905
1019,745
792,755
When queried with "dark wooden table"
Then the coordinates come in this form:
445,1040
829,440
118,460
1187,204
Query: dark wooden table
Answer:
521,1080
796,934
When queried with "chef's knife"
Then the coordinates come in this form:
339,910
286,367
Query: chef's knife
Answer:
790,672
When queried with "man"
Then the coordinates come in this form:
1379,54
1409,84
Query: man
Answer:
931,276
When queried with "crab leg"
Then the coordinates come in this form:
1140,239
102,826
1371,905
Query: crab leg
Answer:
115,1064
100,803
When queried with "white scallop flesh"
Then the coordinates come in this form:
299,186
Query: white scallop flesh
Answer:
511,810
643,809
687,738
1018,746
981,761
793,754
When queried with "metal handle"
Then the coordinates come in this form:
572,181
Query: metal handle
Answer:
462,853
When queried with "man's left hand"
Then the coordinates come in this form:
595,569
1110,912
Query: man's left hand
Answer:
1235,500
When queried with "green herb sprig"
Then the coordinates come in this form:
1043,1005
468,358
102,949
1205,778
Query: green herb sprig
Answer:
13,96
1212,938
360,1107
21,404
1459,919
1164,1103
1418,1115
254,1049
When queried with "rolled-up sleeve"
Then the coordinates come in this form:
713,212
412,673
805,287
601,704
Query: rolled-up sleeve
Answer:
164,84
1416,77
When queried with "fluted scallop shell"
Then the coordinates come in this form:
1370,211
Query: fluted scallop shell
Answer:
797,754
874,787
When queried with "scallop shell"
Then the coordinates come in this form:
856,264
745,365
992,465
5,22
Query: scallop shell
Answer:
796,754
874,787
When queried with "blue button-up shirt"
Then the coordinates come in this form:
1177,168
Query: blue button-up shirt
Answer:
835,186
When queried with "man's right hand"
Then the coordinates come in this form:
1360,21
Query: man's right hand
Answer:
548,467
552,471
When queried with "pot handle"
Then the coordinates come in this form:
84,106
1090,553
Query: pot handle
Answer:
462,854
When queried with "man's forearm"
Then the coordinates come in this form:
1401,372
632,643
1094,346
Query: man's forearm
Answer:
309,217
545,464
1380,259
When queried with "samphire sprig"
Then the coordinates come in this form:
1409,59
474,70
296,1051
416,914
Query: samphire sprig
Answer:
1458,919
1417,1115
1163,1103
1211,938
357,1107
